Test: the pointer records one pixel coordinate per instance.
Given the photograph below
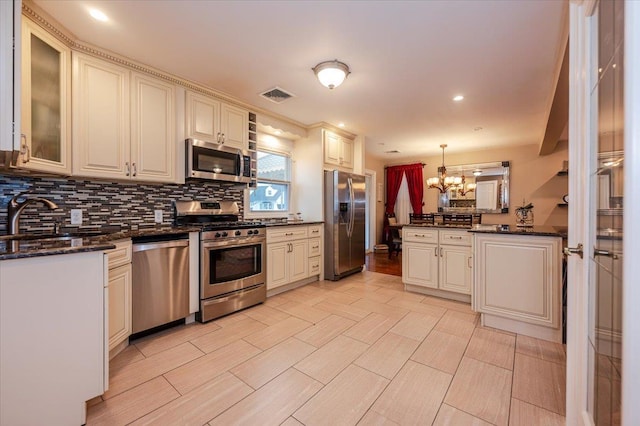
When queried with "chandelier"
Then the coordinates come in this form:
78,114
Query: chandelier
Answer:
443,182
464,188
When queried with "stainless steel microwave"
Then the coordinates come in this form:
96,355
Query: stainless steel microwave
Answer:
213,161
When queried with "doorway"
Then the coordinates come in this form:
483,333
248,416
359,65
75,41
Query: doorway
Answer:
370,210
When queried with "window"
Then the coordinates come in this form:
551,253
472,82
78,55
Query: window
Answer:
271,195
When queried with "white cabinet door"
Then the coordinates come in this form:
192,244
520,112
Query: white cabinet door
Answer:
420,264
234,125
10,19
346,153
119,305
277,265
298,260
46,101
332,148
152,129
101,118
455,269
202,117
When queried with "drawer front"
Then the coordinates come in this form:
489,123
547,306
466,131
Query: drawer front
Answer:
420,235
121,255
314,266
286,233
455,238
315,247
315,231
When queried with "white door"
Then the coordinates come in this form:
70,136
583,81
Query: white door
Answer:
602,324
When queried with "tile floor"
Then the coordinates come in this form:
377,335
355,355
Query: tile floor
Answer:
360,351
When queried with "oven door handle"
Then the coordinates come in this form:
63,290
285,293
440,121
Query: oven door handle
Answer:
232,243
155,246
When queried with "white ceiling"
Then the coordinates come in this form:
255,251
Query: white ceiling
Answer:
408,59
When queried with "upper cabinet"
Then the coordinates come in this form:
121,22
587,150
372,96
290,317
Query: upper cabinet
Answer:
338,150
9,81
210,120
123,123
46,102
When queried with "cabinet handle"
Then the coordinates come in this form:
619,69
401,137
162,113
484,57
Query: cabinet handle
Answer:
419,235
223,138
24,148
469,262
135,169
315,247
435,251
440,251
128,173
607,253
288,234
315,231
290,248
455,238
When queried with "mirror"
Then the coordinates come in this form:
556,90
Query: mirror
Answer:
484,188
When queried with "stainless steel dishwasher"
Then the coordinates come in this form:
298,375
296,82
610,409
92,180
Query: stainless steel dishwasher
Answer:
160,269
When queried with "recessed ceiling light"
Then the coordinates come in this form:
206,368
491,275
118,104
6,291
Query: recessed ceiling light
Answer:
98,15
278,132
340,124
458,98
477,129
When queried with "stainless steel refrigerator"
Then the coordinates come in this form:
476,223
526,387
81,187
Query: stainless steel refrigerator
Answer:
344,227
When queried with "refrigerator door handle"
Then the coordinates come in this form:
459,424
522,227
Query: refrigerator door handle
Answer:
351,207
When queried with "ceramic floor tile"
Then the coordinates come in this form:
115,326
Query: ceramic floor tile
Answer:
543,349
539,382
492,347
374,419
371,328
523,414
274,334
341,297
263,367
201,405
273,403
134,374
415,306
415,325
344,400
132,404
449,416
347,311
450,323
189,376
230,333
291,422
387,356
266,314
482,390
328,361
449,304
442,351
174,337
303,311
381,308
129,355
414,396
325,331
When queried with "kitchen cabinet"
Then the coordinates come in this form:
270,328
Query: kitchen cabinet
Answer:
338,150
123,123
53,340
119,285
10,24
518,283
437,262
294,253
210,120
46,102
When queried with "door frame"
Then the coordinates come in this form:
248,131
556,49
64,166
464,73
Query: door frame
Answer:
370,177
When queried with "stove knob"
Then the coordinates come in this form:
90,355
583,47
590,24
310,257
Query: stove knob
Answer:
217,235
224,234
249,232
238,233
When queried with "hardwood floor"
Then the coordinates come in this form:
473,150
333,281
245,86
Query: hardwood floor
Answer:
380,262
359,351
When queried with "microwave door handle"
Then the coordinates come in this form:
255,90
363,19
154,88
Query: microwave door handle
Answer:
240,164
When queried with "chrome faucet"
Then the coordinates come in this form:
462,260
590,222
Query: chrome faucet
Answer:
15,208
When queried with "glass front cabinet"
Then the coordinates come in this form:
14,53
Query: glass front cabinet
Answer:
46,102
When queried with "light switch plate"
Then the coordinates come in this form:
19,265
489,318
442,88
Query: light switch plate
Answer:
76,216
157,216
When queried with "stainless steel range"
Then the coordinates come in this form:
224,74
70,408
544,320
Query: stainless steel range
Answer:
232,257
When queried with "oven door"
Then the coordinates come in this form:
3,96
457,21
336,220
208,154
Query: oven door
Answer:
228,266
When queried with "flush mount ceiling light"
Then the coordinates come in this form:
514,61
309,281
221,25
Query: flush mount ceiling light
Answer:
98,15
331,74
458,98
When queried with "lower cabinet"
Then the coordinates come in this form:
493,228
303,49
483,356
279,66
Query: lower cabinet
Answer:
119,290
437,259
518,283
292,255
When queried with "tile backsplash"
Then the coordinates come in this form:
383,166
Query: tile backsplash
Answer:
128,205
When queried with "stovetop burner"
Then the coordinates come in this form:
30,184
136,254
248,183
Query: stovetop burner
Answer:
217,219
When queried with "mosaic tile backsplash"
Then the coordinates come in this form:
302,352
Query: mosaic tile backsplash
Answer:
129,205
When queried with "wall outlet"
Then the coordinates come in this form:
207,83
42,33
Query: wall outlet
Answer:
157,216
76,216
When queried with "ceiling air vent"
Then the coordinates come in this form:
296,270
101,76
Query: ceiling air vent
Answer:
277,95
393,151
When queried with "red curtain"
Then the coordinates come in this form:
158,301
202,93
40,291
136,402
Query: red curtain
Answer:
416,186
414,182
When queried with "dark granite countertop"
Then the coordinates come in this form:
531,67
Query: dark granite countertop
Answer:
75,240
436,225
539,231
292,223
